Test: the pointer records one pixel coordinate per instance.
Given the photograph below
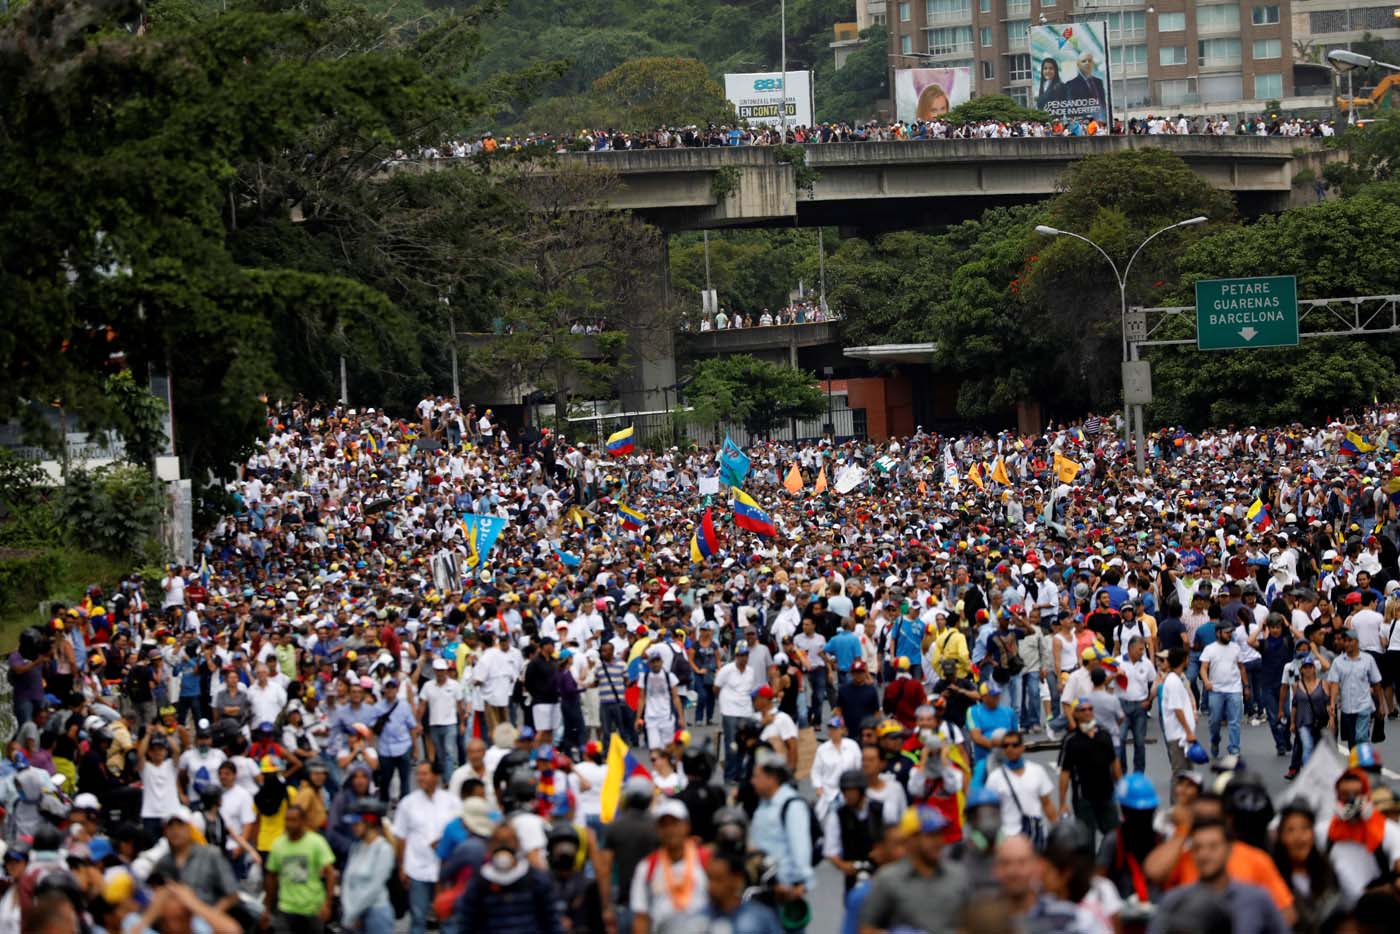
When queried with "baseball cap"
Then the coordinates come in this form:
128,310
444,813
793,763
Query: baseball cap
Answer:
181,814
670,807
440,664
923,819
889,728
765,691
87,802
857,666
989,689
836,723
741,649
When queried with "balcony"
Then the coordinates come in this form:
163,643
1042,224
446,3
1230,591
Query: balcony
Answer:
1015,9
940,49
961,17
1129,69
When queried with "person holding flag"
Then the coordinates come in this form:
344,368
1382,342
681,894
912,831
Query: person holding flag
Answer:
748,516
619,443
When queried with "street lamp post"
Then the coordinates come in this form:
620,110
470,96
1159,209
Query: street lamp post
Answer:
1122,279
782,39
1345,61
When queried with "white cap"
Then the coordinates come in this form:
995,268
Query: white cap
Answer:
87,801
670,807
440,664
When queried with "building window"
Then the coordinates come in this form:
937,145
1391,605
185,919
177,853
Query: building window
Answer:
950,39
1171,22
988,71
984,37
1017,33
1018,8
1130,58
1218,18
1176,91
984,6
1046,3
1019,67
1268,87
1022,96
1214,52
1268,48
904,14
1171,55
947,11
1264,15
906,44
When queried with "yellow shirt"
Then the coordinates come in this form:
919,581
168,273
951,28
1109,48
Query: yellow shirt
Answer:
272,826
951,643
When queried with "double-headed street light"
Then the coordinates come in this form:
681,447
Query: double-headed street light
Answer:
1345,61
1122,279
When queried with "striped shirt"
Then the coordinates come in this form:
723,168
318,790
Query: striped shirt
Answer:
612,682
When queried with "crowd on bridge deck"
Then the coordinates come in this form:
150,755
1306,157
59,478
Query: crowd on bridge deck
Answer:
424,666
606,140
803,311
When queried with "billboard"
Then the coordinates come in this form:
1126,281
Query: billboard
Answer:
929,93
1070,77
757,97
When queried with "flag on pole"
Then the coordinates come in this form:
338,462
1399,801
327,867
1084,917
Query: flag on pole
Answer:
974,473
748,515
793,482
204,571
620,442
820,486
1065,469
733,464
372,443
1259,515
632,520
705,542
622,765
481,533
950,468
999,473
569,559
1355,445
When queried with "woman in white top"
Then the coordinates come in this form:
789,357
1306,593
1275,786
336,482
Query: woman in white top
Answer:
881,788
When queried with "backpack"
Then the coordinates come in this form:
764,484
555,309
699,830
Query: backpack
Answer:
814,826
682,669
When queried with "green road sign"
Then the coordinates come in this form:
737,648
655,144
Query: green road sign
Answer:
1260,311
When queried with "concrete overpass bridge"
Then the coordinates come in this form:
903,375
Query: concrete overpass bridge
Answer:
911,184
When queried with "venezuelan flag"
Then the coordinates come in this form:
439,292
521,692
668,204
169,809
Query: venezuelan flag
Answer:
747,515
1355,445
1259,515
622,765
620,442
372,443
632,520
704,543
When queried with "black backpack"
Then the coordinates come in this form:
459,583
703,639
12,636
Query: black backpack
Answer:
681,668
813,825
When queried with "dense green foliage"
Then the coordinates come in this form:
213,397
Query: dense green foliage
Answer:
750,269
997,107
760,394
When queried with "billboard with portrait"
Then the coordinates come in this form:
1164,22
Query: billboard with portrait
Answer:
761,98
1070,74
929,93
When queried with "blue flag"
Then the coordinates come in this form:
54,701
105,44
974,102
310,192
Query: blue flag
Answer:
482,532
733,464
570,560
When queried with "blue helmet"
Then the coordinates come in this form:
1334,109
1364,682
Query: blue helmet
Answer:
1197,754
982,797
1135,793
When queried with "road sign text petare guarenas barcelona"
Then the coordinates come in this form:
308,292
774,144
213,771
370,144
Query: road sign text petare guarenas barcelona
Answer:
1260,311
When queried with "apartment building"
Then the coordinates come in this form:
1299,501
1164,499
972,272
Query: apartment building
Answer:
1187,56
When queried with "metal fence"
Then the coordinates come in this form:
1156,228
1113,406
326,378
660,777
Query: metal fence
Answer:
662,430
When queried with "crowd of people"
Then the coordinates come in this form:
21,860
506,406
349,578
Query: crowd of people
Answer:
606,140
422,671
801,311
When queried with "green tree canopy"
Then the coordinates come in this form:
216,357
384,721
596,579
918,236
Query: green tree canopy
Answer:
997,107
744,388
650,92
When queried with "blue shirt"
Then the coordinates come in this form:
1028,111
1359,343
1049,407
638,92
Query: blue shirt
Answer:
188,670
790,845
855,898
988,721
845,648
909,638
343,720
1117,596
396,739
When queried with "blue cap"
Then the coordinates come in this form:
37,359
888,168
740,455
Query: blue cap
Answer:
1135,793
924,819
982,797
836,723
527,732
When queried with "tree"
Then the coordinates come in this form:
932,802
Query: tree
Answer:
744,388
1336,249
996,107
854,92
749,269
1371,151
650,92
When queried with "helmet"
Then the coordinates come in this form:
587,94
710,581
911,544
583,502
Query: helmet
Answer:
1135,793
1364,756
1197,754
853,778
697,763
210,796
1067,838
369,804
982,797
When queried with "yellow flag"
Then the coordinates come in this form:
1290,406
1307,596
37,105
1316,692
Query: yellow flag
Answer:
974,473
820,486
793,483
999,473
1065,469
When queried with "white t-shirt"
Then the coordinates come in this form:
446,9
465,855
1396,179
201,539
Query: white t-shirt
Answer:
159,794
419,821
442,702
267,703
658,685
736,690
651,897
590,799
1176,696
1222,663
1029,784
201,767
781,728
1367,624
236,809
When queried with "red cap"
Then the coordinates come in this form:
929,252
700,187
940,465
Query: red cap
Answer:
765,691
857,666
1353,597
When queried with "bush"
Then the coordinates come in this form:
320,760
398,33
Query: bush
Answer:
26,578
114,509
